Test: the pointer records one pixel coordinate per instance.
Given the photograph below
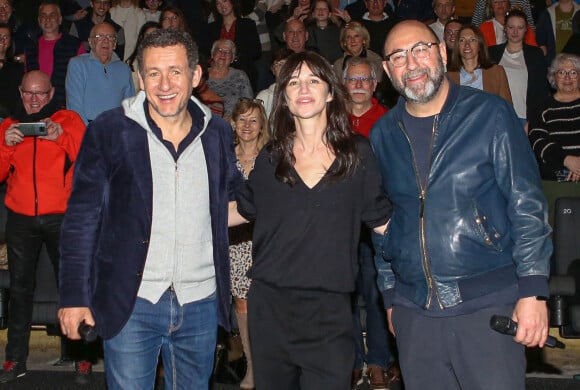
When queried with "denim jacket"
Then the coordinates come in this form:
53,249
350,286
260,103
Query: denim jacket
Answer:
480,222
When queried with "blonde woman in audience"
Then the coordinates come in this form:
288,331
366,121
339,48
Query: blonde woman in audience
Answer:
127,14
250,135
355,40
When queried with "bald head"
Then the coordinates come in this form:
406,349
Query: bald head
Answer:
36,77
410,31
36,91
416,66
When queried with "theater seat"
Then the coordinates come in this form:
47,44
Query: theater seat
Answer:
565,268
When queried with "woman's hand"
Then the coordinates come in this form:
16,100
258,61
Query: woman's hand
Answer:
573,165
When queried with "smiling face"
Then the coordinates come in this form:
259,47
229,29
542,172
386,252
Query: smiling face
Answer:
418,80
224,7
468,45
168,81
5,39
49,19
35,91
566,81
5,11
450,33
248,126
101,7
306,94
222,55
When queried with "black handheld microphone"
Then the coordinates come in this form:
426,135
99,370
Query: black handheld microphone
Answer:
87,332
506,325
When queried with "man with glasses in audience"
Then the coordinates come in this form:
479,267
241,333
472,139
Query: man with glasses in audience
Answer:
98,13
450,33
52,51
99,80
444,9
469,237
38,170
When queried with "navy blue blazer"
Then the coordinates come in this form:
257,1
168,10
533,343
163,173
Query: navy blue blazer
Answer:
106,229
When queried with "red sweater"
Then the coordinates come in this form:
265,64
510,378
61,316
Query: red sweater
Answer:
40,171
363,124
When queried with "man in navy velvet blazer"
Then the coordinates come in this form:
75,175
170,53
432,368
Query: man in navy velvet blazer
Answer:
144,247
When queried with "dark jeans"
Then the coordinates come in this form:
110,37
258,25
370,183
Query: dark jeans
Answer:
24,238
377,333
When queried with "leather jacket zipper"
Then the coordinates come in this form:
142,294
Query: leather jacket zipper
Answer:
422,195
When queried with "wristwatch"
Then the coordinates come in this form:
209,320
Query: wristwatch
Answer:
541,298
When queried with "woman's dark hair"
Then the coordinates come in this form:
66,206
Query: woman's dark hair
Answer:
339,135
482,55
10,49
281,54
177,11
516,13
131,60
236,7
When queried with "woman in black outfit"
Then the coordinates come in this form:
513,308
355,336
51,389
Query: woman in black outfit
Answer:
310,189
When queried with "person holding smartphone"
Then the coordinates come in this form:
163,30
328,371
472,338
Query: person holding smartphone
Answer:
38,171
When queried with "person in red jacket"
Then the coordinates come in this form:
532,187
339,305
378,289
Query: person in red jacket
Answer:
38,170
361,81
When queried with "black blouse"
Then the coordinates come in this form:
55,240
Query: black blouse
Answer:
307,238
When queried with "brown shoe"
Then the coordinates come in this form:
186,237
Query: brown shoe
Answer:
376,375
356,379
393,375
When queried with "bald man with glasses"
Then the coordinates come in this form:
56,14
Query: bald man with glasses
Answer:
99,80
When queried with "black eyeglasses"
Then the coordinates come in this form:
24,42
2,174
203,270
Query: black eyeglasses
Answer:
420,50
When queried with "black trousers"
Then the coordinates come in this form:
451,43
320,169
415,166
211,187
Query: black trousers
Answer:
301,339
24,238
